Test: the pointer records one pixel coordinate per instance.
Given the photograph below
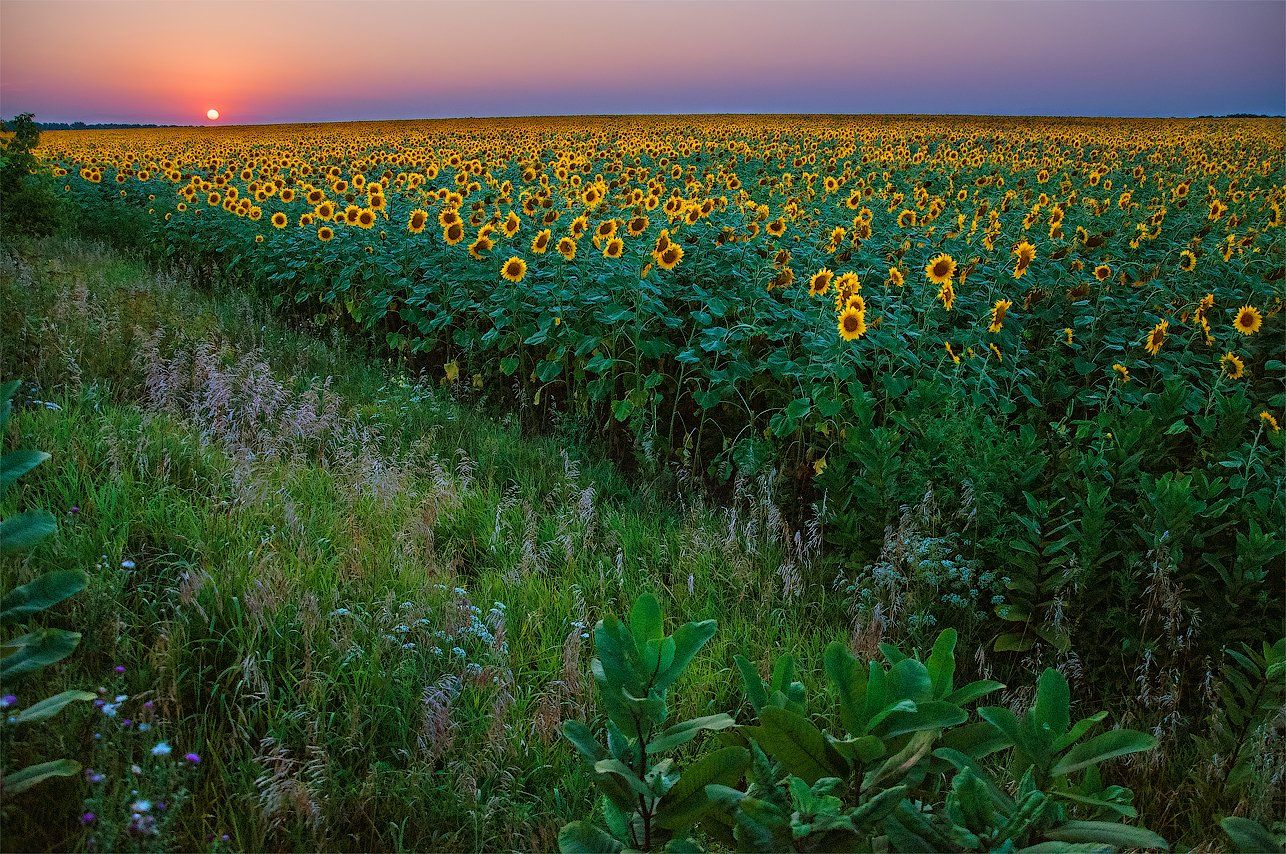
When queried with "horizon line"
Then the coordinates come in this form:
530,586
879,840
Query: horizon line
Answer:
270,123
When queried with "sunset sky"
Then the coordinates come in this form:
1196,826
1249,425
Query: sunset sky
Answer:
313,61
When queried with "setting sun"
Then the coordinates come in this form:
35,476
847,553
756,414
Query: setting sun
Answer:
212,114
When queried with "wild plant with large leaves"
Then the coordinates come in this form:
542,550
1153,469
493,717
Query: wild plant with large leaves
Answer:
39,648
648,802
904,770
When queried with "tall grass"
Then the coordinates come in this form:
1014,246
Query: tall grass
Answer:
364,605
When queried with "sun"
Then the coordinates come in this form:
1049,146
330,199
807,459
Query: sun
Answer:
212,114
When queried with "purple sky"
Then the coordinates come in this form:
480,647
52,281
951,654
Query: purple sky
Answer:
345,59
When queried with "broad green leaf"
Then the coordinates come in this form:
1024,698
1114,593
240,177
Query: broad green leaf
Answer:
684,804
1051,713
756,691
581,837
15,464
849,680
682,733
41,593
32,775
1107,833
21,532
645,620
619,769
583,740
797,743
935,714
688,640
1118,742
941,663
973,691
1249,836
51,706
37,650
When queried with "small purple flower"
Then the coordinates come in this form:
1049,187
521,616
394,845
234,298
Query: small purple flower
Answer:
74,509
148,705
88,818
120,668
193,758
99,703
8,700
93,776
127,723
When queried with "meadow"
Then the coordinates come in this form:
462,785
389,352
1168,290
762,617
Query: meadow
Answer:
364,435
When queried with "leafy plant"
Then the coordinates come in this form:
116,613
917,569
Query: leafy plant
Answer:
648,803
38,649
880,782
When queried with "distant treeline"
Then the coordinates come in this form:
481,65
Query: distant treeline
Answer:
97,126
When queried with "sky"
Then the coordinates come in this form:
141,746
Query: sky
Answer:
332,60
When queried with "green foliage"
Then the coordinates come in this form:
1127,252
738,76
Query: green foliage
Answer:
648,802
28,202
38,649
879,782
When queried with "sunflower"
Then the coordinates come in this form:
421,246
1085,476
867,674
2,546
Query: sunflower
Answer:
1156,337
480,245
952,353
947,293
448,216
998,315
567,248
1267,418
280,220
895,277
1102,272
776,228
613,248
1248,320
670,257
366,218
453,233
325,210
1232,365
514,269
852,324
417,220
941,269
1025,253
325,233
1187,261
820,282
540,242
1122,372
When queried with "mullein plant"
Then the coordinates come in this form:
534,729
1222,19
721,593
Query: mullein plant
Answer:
39,648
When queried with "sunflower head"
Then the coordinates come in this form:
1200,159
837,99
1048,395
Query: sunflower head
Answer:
941,269
514,269
1156,337
852,324
1232,365
1248,320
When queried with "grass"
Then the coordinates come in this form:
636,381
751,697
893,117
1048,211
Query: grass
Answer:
361,601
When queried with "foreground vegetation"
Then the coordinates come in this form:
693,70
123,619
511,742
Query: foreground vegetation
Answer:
357,576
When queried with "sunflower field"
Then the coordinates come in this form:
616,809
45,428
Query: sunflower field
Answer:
1022,378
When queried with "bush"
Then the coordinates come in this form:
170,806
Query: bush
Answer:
29,203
